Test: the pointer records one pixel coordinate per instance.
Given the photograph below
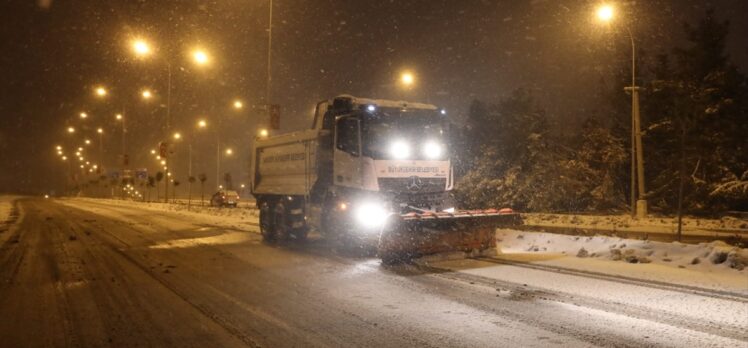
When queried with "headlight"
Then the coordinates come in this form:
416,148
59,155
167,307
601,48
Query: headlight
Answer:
370,215
432,150
400,149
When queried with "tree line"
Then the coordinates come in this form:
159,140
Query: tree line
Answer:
694,129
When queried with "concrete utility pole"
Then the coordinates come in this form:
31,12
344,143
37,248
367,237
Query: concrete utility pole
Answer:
638,206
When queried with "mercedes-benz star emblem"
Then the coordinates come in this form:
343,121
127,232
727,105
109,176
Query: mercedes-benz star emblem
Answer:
414,184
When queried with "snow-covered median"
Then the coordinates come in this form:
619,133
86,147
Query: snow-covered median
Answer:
242,219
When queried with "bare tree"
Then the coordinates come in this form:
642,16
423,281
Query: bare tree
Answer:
202,179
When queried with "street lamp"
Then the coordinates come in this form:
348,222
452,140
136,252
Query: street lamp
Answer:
606,14
141,48
88,142
177,136
71,130
101,91
238,104
83,115
202,123
263,133
229,152
200,57
407,79
146,94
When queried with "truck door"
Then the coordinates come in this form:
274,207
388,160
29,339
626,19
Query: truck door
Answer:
347,157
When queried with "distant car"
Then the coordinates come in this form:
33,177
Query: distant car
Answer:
225,198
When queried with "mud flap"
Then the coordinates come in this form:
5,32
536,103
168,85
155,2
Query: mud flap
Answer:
409,236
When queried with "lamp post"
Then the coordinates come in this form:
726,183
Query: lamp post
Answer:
142,49
606,13
100,131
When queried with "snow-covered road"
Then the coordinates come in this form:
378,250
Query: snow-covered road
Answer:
85,273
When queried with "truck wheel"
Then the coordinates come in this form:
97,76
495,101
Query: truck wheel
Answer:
266,222
281,225
299,234
297,222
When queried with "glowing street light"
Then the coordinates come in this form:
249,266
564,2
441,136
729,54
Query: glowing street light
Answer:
118,117
58,147
153,152
200,57
264,132
146,94
83,115
407,79
605,13
141,48
64,158
101,91
71,130
238,104
229,152
88,142
100,130
202,123
177,136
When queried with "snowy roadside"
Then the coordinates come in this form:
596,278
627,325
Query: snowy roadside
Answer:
6,212
6,206
714,265
726,226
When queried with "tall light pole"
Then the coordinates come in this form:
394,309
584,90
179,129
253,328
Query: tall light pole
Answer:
100,131
142,49
606,13
270,52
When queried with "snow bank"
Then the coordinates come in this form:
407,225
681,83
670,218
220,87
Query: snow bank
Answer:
704,256
667,225
6,207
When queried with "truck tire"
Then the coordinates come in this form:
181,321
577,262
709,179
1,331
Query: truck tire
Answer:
297,221
281,223
266,222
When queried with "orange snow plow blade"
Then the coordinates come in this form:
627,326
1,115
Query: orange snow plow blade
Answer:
413,235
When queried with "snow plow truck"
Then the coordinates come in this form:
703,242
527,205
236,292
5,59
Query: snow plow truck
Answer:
369,173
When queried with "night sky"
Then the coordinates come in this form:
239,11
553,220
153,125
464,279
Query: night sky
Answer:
53,53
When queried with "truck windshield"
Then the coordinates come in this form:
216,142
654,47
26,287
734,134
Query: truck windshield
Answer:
396,134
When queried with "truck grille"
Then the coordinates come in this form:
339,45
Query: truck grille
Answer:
412,184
